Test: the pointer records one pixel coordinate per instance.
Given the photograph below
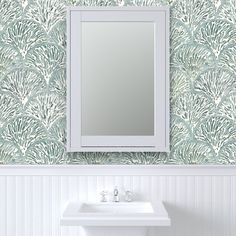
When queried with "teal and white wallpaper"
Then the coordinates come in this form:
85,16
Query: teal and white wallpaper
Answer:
33,90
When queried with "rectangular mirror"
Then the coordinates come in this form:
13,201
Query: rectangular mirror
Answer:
117,79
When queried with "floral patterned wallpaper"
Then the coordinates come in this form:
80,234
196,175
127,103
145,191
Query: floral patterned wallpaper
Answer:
32,83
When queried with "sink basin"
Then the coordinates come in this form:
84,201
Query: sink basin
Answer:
115,214
117,208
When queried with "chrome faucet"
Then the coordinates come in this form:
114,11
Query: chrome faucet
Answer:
115,195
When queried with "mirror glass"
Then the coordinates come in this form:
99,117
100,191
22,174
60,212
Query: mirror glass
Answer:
117,78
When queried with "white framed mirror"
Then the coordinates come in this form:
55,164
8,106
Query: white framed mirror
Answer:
117,79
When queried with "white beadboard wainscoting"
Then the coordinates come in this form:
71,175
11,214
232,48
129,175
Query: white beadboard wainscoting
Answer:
200,200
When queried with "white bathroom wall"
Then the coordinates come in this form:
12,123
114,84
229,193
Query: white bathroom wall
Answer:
201,201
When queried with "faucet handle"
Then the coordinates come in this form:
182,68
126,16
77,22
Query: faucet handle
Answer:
104,196
128,196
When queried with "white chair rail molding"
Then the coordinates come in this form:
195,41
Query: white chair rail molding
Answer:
58,200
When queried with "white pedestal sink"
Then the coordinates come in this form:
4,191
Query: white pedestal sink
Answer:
115,219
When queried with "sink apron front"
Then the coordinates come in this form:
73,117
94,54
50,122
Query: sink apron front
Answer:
115,231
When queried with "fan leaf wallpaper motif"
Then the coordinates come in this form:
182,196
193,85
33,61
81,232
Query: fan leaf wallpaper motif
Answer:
33,83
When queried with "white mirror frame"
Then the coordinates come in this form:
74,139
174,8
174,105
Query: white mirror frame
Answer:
160,141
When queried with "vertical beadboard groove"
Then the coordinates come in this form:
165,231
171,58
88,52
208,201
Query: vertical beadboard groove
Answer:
10,205
54,199
59,205
3,208
28,207
100,186
37,205
198,205
64,199
233,205
137,187
226,204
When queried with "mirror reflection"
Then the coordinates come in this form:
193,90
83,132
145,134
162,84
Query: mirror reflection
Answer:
117,78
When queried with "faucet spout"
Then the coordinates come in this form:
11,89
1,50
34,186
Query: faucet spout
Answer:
116,195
